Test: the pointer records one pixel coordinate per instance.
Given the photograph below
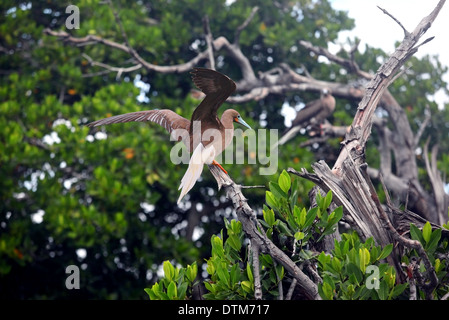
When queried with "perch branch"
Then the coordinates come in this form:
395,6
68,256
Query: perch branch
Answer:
252,229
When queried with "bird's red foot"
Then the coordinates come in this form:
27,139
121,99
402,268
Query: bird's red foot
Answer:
215,163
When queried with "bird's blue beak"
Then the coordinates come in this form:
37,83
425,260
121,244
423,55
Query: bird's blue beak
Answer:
239,119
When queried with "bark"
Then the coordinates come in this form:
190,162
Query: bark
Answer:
252,228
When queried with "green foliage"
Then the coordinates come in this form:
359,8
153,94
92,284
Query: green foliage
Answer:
436,249
284,216
353,271
176,284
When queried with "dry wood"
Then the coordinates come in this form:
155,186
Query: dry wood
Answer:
252,228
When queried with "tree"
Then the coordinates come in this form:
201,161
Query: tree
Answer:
112,192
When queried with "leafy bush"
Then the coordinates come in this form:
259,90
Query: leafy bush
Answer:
351,270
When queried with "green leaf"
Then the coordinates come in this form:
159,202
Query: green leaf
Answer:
416,234
398,289
311,215
169,270
271,200
383,290
172,291
151,294
294,193
268,216
433,241
246,286
277,191
362,261
284,181
284,228
385,251
427,231
235,275
223,274
299,235
249,272
327,201
300,216
191,272
355,274
182,289
234,242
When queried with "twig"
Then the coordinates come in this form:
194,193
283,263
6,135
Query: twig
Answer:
398,75
350,65
435,180
256,270
244,25
253,187
412,284
279,280
291,289
422,127
406,33
119,70
209,41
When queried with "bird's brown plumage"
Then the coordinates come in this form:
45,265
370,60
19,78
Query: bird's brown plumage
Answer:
217,88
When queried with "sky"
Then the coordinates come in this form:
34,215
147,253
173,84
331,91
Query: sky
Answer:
378,30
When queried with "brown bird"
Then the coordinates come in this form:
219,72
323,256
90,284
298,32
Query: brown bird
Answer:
205,134
314,113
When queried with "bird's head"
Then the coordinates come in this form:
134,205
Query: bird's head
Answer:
238,119
235,116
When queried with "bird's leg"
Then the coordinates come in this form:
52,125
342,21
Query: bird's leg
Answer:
215,163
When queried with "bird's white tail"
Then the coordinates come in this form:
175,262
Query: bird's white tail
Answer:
290,134
200,156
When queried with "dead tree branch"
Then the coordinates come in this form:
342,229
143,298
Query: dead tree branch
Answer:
253,229
348,179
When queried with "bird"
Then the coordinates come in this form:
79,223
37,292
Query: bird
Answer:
314,112
205,135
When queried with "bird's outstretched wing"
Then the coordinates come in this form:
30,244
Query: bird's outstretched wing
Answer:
217,88
165,118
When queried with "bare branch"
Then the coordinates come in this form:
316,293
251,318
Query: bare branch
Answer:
209,39
350,65
252,229
406,33
244,25
436,182
422,127
119,70
256,270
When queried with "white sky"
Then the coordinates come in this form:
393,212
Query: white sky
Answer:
378,30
